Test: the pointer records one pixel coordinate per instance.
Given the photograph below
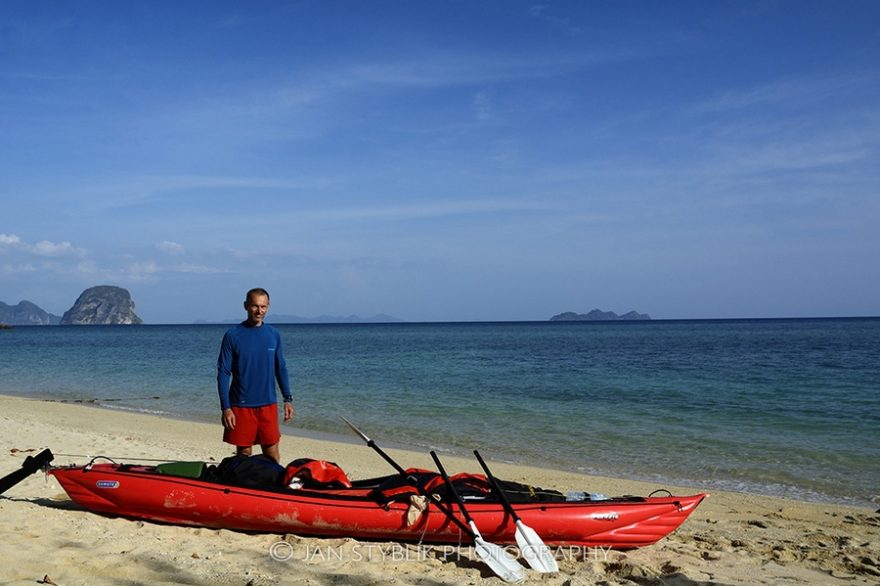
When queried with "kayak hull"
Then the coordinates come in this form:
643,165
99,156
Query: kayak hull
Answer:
139,492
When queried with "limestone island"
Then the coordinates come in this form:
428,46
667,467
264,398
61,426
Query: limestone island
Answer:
599,315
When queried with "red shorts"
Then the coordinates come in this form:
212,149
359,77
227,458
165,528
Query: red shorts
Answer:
254,426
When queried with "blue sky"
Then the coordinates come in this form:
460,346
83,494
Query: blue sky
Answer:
443,160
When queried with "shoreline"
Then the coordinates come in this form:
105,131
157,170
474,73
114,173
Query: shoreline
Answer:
793,493
732,538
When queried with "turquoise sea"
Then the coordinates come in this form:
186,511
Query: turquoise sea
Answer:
784,407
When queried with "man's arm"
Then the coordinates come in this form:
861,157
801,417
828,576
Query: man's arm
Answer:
224,372
283,379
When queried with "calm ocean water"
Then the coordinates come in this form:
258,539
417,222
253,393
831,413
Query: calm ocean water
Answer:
784,407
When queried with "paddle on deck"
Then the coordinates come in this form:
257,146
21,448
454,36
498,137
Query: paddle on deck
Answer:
530,543
498,560
508,569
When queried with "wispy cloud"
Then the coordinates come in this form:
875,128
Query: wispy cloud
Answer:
797,155
416,211
544,13
11,268
120,265
137,190
134,269
170,247
451,69
482,104
793,124
44,248
790,92
197,269
285,95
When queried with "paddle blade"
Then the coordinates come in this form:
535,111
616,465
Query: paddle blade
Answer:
533,548
496,557
356,430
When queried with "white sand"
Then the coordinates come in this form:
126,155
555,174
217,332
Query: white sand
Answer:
730,539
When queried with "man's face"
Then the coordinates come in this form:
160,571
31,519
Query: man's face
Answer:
256,307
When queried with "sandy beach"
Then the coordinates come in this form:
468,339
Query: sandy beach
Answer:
731,539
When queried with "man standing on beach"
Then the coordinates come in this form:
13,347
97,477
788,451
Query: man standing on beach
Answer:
249,365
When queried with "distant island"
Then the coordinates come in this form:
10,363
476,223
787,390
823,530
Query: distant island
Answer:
280,318
379,318
101,305
106,305
26,314
599,315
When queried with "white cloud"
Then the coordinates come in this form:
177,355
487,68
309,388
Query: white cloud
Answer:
170,247
87,267
198,269
44,248
15,269
789,92
482,104
147,267
9,239
541,12
403,212
47,248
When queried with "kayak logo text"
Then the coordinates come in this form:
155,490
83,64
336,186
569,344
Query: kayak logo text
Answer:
282,551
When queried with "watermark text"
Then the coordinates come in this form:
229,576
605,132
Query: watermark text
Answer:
282,551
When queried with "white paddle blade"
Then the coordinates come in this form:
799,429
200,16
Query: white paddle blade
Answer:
502,563
499,561
538,555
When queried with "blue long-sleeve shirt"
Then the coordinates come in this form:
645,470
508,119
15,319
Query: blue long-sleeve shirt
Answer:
249,365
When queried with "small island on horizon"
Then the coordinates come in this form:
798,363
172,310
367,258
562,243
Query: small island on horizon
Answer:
599,315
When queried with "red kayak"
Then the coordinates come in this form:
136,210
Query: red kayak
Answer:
365,510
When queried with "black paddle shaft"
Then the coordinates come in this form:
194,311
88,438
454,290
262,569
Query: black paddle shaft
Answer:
504,500
387,458
30,465
451,486
411,480
415,483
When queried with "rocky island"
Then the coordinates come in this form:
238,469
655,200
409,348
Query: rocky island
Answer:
599,315
26,314
102,305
